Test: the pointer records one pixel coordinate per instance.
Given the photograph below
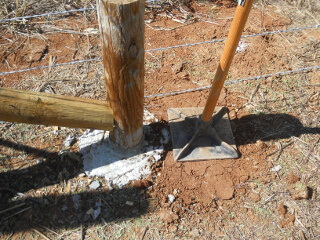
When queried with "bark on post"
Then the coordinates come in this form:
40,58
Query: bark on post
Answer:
122,32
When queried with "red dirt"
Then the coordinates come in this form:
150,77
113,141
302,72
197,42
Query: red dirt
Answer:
206,187
208,181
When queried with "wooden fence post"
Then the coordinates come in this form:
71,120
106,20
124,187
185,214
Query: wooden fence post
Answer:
121,25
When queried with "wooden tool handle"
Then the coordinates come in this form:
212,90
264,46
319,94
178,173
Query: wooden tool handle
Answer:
237,26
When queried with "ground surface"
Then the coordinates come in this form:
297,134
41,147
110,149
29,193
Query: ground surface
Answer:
270,192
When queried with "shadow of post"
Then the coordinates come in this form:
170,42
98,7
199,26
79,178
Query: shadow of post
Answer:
59,211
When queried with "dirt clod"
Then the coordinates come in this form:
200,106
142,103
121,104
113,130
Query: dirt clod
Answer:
172,228
94,184
291,178
282,209
141,184
195,232
300,191
167,216
288,221
261,144
254,197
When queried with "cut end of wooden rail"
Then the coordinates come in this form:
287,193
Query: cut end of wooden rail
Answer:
56,110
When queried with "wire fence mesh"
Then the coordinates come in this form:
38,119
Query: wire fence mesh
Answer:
167,48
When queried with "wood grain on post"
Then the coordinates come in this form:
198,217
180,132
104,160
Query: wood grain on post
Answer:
122,32
50,109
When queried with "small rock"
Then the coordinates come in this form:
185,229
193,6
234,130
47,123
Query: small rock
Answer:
276,168
241,46
94,184
291,178
82,175
129,203
176,191
261,144
171,198
64,208
90,211
70,140
39,161
76,201
96,213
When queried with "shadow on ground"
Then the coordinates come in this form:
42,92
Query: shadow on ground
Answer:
19,212
267,127
71,211
56,211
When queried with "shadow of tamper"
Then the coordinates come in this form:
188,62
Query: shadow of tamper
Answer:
266,127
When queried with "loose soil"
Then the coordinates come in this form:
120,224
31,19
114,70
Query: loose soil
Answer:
275,122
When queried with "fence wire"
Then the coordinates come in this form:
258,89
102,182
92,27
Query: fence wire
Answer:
307,69
244,36
49,66
46,14
165,48
55,13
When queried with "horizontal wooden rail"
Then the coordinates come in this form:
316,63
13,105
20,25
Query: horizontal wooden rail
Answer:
49,109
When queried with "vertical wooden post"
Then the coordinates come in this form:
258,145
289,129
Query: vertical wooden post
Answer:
121,25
